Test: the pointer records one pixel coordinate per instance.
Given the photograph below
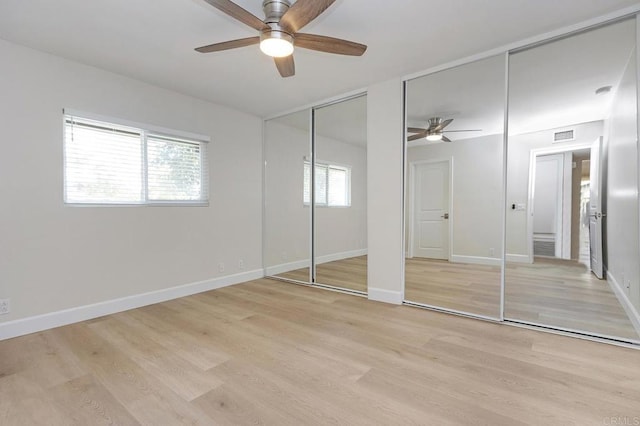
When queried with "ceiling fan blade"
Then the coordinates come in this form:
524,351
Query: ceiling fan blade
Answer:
442,125
416,137
329,44
445,139
416,130
236,12
286,66
302,12
226,45
452,131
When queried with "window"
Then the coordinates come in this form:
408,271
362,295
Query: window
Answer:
333,185
107,163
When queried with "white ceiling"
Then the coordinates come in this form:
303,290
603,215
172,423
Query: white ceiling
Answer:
153,40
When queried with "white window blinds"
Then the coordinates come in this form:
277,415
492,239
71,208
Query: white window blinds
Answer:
106,163
174,168
333,185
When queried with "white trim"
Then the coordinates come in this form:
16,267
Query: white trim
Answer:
545,37
450,311
518,258
632,312
304,263
50,320
386,296
575,335
477,260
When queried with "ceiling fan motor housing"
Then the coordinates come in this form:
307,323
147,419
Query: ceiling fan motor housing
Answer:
273,11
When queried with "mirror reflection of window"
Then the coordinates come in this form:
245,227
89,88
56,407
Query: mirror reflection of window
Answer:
340,214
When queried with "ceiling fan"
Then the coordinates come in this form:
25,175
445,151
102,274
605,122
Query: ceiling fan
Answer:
279,31
435,131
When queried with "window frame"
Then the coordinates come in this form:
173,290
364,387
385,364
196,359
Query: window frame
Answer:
145,130
329,166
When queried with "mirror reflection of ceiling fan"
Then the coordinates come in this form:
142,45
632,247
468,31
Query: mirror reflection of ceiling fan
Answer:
435,131
279,31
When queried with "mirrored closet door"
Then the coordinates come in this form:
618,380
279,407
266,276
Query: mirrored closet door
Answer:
287,220
315,207
572,185
340,215
454,188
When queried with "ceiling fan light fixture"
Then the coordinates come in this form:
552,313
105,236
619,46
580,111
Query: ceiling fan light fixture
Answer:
277,44
434,137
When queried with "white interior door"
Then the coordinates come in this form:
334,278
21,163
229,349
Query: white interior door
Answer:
431,210
595,210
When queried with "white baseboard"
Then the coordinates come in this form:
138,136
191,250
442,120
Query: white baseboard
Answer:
339,256
50,320
299,264
476,260
632,312
387,296
518,258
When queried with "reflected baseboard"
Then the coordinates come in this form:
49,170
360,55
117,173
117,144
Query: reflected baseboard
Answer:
632,312
286,267
476,260
304,263
519,258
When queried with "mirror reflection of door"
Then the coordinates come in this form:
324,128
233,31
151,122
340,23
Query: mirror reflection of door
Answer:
572,244
454,188
430,223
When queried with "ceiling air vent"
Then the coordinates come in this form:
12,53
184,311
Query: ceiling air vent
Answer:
565,135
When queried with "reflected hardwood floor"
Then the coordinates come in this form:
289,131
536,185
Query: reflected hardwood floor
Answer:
552,292
267,352
564,293
457,286
348,273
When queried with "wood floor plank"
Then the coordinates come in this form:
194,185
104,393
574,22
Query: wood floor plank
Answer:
272,353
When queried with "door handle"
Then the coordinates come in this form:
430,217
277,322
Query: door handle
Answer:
445,216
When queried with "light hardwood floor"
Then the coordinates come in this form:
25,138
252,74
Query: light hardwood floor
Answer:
267,352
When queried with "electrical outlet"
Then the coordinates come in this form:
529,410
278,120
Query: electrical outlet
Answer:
221,266
5,306
241,264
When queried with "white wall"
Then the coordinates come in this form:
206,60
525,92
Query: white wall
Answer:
476,217
287,219
385,200
518,161
621,144
53,256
